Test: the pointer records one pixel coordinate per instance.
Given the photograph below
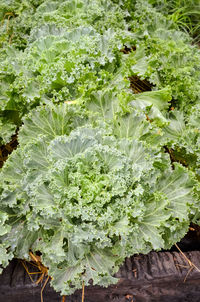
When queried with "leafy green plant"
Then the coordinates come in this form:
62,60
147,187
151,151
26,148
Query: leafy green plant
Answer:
86,190
65,57
183,13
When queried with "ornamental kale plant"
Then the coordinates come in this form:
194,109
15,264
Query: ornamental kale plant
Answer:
183,13
87,193
71,49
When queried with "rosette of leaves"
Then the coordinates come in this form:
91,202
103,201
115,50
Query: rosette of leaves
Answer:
165,55
183,13
102,15
63,50
58,64
86,191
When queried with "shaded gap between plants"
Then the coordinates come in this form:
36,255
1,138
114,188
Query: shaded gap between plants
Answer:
138,85
190,242
7,149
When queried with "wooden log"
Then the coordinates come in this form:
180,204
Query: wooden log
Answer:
156,277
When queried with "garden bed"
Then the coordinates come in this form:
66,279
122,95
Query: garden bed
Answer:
162,276
144,278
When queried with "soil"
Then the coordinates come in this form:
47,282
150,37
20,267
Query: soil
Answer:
7,149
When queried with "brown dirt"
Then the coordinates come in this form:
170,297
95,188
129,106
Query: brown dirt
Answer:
7,149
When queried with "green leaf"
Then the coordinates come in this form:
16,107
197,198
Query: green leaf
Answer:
93,265
154,103
50,122
178,188
5,256
105,103
176,126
